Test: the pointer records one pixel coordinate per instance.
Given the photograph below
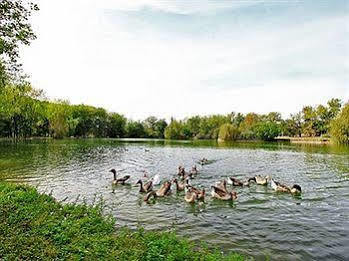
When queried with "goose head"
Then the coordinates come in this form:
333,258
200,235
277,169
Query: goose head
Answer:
234,195
296,189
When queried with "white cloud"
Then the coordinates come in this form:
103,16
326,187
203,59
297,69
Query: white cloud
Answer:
84,56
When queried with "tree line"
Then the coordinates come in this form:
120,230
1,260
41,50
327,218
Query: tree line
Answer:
24,111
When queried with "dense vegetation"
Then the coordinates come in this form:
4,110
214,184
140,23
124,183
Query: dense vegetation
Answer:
35,226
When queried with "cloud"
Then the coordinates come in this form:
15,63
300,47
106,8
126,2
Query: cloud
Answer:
120,56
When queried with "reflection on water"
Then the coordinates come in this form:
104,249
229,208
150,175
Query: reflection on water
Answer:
260,223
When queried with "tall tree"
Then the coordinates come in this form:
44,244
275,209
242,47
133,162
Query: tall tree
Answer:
15,30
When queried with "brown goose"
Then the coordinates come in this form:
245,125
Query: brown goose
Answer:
260,180
235,182
296,189
180,186
164,190
190,196
119,180
194,170
145,188
223,195
200,193
222,185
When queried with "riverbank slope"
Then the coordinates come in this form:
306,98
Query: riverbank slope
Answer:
36,226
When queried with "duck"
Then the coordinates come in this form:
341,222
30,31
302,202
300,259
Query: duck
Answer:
145,188
223,195
260,180
164,190
200,193
236,182
119,180
180,186
190,196
295,189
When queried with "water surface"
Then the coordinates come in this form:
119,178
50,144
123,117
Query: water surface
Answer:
260,223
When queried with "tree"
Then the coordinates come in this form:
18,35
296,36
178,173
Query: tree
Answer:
339,128
267,130
309,119
58,114
228,132
135,129
20,108
334,107
15,30
293,126
117,124
174,130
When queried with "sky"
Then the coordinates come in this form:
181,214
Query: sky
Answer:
179,58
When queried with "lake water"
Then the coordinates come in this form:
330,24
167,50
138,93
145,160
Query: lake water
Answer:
261,223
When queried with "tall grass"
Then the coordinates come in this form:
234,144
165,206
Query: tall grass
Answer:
35,226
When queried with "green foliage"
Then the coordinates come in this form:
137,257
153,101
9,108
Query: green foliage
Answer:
135,129
267,130
340,126
174,130
15,30
117,125
36,227
58,115
20,109
227,132
154,128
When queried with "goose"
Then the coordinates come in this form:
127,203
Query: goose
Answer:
147,187
194,170
181,171
295,189
164,190
119,180
190,196
200,193
180,186
223,195
222,185
235,182
260,180
203,161
156,180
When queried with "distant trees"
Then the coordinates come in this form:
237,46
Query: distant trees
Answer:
339,127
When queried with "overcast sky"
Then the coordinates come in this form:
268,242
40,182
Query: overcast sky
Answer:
186,57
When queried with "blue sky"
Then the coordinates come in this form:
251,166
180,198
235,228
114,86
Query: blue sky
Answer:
181,58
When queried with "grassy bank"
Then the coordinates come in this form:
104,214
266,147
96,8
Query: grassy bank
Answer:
35,226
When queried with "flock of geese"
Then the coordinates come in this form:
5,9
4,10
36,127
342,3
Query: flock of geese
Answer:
193,194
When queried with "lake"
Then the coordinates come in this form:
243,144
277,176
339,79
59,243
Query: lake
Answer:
261,223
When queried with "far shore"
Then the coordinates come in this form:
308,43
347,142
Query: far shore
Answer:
305,140
294,140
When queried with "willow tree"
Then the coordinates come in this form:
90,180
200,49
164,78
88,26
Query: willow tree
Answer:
340,126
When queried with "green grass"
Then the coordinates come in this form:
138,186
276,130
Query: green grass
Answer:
35,226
